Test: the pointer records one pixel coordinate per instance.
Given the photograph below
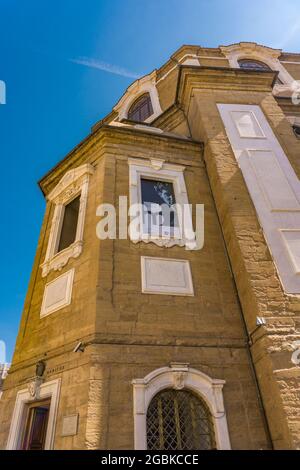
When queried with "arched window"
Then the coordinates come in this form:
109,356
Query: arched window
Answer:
141,109
250,64
179,420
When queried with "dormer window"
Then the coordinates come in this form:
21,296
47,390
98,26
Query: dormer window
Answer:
141,109
250,64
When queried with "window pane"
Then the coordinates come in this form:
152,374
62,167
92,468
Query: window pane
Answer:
256,65
253,64
178,420
141,109
158,197
69,225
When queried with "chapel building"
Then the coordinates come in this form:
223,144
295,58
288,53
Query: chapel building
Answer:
141,340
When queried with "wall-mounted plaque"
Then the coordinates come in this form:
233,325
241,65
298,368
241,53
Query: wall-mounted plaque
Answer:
69,426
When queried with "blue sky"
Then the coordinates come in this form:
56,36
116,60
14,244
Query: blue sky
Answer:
65,64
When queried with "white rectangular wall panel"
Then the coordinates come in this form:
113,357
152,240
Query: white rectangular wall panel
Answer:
272,184
57,293
246,124
166,276
273,181
70,425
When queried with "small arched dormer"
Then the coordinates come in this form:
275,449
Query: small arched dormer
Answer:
141,109
252,55
140,100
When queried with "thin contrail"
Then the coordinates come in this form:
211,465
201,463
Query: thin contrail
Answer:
110,68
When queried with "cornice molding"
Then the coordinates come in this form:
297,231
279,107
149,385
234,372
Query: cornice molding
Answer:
217,78
70,183
93,144
250,48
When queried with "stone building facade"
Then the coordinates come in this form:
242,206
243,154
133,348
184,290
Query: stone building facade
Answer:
141,342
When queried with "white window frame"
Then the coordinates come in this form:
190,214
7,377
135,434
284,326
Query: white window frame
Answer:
74,183
267,55
138,88
47,390
161,171
179,376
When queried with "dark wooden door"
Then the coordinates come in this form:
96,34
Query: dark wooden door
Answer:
36,426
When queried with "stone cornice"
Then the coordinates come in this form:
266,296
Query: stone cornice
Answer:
192,77
85,151
250,48
102,339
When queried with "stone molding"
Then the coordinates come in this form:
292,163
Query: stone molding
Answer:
158,169
24,397
167,276
73,183
268,55
143,85
57,293
179,376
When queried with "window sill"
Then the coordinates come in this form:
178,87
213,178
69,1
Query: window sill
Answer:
161,241
59,260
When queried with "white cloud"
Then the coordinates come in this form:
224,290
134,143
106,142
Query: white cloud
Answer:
100,65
